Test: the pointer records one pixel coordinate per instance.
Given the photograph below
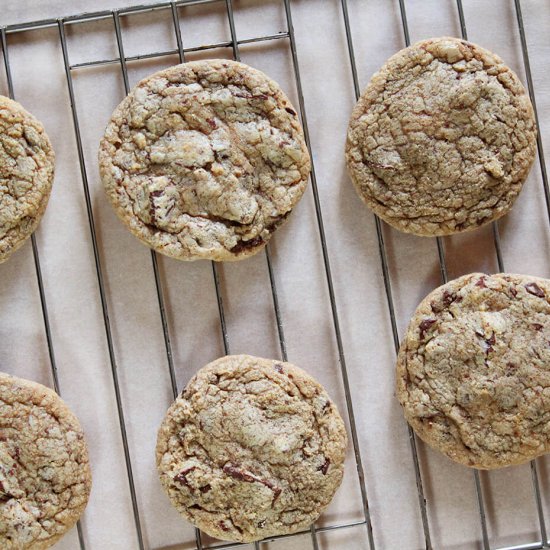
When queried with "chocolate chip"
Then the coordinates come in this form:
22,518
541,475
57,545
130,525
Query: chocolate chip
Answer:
535,290
276,493
241,475
511,369
223,526
481,221
488,343
151,227
212,123
378,165
488,348
278,367
537,326
324,467
425,325
245,245
250,96
276,490
225,221
290,111
205,488
261,524
181,477
448,298
276,222
481,282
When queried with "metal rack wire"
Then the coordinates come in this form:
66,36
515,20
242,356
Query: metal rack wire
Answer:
288,36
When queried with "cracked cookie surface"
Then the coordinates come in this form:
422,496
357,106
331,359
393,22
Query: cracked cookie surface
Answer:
204,160
252,448
45,477
26,175
473,372
442,138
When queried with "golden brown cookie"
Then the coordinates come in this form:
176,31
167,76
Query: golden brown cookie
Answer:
442,138
251,449
204,160
45,477
26,175
473,372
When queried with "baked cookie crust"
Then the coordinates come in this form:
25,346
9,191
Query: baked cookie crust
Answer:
442,139
45,478
26,175
473,371
252,448
204,160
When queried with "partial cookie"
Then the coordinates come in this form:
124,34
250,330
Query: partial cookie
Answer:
45,477
26,175
204,160
442,138
252,448
473,372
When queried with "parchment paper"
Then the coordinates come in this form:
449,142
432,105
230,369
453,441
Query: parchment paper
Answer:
73,300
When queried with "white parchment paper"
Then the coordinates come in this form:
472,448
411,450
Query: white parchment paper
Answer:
72,292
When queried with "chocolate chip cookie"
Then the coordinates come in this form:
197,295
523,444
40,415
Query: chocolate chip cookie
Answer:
204,160
442,138
473,372
26,175
44,473
252,448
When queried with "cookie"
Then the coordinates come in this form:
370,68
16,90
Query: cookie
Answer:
442,138
252,448
26,175
473,372
204,160
44,472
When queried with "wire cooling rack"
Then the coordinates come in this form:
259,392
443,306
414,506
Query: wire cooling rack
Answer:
173,10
